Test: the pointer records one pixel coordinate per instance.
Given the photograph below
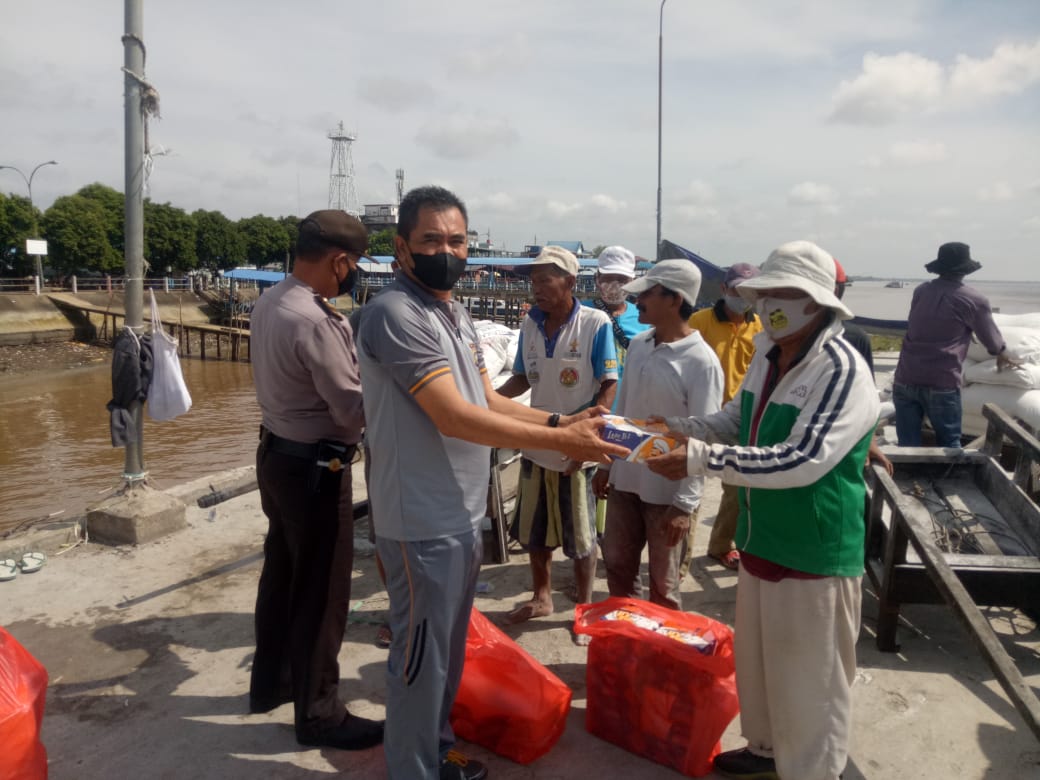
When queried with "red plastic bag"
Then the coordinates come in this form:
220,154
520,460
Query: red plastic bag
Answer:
661,683
507,701
23,687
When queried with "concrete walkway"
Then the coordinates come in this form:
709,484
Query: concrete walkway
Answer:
149,649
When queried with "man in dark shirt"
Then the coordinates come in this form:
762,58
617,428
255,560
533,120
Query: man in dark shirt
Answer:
943,315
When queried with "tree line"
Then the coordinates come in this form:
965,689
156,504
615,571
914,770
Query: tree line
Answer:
84,234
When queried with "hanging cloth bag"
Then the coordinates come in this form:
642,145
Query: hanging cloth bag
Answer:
168,396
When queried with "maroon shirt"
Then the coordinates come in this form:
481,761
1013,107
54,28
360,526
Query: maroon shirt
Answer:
943,315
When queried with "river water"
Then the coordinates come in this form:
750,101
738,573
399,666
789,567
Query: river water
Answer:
56,456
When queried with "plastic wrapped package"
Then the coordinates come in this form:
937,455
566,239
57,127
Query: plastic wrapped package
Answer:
661,683
507,701
23,688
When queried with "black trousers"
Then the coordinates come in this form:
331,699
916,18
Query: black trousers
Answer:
303,598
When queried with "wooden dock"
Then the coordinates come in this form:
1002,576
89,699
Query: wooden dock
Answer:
213,341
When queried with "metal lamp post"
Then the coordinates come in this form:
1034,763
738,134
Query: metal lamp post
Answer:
660,62
32,210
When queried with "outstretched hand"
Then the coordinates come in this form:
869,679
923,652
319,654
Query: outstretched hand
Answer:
583,443
588,413
671,465
1005,361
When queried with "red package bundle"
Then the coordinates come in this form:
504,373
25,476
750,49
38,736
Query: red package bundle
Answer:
23,688
661,683
507,701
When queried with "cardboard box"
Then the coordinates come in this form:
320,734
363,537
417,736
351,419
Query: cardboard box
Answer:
645,440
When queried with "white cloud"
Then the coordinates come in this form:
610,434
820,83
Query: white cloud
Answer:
944,213
605,203
1011,69
395,95
700,192
559,209
891,86
999,191
886,88
917,152
1033,223
499,202
809,193
465,137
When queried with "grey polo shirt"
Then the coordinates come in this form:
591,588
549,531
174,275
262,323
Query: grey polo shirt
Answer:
423,485
304,366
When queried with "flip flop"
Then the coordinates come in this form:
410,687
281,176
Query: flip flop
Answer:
384,636
32,561
730,560
8,569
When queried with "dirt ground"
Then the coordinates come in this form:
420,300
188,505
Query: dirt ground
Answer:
24,359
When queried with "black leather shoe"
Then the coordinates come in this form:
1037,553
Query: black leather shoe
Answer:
353,733
745,765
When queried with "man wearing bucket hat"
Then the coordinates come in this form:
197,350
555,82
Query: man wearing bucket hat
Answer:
794,440
616,267
943,315
672,371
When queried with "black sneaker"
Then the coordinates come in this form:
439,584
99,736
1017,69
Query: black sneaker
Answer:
745,765
456,766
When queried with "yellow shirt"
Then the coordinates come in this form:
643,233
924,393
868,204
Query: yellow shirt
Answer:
731,342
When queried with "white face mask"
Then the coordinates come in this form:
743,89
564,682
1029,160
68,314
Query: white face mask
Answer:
611,293
737,304
783,316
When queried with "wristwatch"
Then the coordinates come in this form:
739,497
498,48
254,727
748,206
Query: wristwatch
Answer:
554,419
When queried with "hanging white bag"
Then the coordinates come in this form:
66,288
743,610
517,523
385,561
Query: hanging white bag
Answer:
168,396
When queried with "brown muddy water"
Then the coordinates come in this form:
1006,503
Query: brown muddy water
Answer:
56,456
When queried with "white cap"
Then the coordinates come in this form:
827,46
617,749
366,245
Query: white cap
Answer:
680,276
800,265
617,260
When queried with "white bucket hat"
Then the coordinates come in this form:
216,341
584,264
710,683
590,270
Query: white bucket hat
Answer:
800,265
560,257
679,276
616,260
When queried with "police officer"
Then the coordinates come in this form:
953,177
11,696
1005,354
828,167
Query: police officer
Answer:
307,384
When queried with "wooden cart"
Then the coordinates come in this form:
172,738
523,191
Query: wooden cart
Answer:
953,526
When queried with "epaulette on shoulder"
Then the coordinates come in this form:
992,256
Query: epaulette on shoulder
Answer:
328,308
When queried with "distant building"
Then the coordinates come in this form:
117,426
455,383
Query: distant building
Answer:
379,216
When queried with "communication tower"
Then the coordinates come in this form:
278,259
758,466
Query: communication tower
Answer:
342,189
400,185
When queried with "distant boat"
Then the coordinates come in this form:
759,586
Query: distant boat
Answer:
895,284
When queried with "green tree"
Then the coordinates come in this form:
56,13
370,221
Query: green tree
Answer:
113,206
266,239
382,243
218,242
169,238
16,225
77,234
598,250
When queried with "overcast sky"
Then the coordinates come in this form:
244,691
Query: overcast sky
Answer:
879,129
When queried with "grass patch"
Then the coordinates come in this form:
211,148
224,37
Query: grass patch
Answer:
886,343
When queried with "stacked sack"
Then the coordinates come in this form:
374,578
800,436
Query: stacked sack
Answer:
1017,390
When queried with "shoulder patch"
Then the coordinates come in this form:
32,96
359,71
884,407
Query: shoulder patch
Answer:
328,308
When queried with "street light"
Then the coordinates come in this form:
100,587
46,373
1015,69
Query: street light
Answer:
660,61
28,183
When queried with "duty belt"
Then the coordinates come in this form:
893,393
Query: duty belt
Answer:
333,455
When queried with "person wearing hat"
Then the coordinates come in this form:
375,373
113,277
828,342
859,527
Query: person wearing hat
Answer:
729,327
433,418
306,374
794,440
944,313
616,267
672,371
566,356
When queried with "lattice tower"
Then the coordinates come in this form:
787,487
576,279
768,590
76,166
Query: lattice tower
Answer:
342,187
400,185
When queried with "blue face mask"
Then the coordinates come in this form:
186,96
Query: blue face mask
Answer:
439,271
737,304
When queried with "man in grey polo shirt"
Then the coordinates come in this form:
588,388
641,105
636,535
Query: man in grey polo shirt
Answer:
432,418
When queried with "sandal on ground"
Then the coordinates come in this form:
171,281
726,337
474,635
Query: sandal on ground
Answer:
8,570
384,636
32,561
730,560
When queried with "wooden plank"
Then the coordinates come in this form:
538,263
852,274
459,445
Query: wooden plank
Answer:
1010,428
910,519
1021,514
968,508
926,455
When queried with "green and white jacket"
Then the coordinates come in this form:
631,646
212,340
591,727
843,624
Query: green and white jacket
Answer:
801,466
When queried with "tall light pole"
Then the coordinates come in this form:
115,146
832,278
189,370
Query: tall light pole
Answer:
660,72
32,210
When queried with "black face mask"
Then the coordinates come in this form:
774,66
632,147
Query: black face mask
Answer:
348,282
439,271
